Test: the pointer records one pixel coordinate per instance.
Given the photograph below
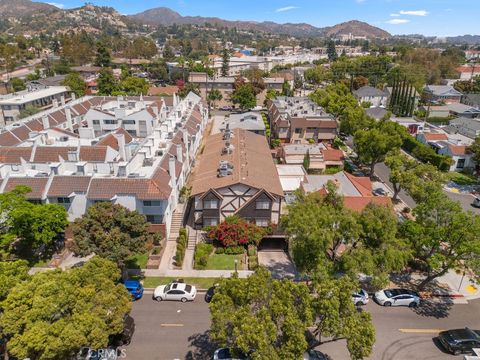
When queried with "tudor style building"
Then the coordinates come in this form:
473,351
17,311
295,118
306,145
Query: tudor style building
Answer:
236,176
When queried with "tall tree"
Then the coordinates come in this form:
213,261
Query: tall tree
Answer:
107,84
443,236
12,273
261,314
76,83
213,96
56,313
332,51
134,86
103,57
245,97
225,62
306,161
110,231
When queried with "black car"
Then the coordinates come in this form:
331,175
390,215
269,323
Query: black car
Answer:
460,341
125,337
210,292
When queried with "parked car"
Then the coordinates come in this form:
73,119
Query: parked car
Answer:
226,108
476,202
226,354
125,337
397,297
379,192
134,288
210,292
459,341
175,291
360,298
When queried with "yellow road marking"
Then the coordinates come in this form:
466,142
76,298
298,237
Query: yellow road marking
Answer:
471,289
171,325
424,331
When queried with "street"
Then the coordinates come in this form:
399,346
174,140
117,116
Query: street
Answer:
173,330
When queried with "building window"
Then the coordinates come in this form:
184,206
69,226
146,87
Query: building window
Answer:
460,163
210,204
110,122
154,219
148,203
261,222
96,122
128,122
210,221
262,205
63,200
298,130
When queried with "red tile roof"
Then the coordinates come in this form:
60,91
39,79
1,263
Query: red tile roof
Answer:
93,153
435,136
12,155
333,155
8,139
45,154
458,149
358,203
36,184
143,189
362,183
65,185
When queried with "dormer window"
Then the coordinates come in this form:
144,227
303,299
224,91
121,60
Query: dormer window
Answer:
210,204
262,205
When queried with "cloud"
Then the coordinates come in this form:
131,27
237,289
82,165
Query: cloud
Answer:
397,21
414,12
286,8
58,5
394,15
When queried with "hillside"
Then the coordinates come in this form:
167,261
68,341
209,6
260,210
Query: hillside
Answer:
166,16
12,8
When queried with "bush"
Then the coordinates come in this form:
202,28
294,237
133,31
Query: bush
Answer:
234,250
426,154
252,250
252,262
220,250
202,253
235,231
182,241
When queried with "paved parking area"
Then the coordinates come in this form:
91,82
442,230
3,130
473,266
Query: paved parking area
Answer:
170,330
278,262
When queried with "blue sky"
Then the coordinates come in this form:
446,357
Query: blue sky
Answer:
428,17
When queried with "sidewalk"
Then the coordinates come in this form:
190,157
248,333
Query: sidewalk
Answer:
195,273
461,285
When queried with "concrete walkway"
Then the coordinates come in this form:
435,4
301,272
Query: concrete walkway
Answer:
195,273
461,285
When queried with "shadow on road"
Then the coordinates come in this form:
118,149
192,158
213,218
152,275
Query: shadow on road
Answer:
438,309
202,347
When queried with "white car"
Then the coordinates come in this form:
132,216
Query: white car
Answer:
360,297
397,297
175,291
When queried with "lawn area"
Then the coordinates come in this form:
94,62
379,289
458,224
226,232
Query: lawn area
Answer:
223,262
462,179
41,263
138,261
200,283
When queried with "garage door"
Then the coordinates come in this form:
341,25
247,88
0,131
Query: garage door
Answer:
273,244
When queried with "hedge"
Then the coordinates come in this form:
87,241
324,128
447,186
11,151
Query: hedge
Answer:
182,241
202,253
426,154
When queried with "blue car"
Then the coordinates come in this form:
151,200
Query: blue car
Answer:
134,288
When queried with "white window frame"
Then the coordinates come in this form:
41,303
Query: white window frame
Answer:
207,204
260,205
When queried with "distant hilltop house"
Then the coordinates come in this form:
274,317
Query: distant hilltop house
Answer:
374,96
442,94
468,71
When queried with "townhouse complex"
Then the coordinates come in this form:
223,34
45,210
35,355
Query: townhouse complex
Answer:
132,151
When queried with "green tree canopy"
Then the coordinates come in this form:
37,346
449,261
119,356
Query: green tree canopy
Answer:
11,274
244,96
214,95
107,84
110,231
56,313
17,84
133,86
225,62
260,316
76,83
28,111
103,56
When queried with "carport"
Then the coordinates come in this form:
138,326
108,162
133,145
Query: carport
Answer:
272,253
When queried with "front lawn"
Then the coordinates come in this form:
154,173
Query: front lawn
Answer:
223,262
200,283
138,261
462,179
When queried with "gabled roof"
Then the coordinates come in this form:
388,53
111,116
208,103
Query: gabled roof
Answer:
107,188
358,203
48,154
435,136
12,155
362,183
37,184
442,90
65,185
369,91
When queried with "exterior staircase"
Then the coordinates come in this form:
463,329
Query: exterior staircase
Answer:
177,222
192,238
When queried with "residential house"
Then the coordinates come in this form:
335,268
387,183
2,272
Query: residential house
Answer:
321,155
374,96
468,71
442,94
299,120
236,176
472,100
251,121
465,126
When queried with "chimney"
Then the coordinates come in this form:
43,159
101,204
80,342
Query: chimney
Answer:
62,100
68,115
171,170
73,96
45,122
121,146
55,103
179,153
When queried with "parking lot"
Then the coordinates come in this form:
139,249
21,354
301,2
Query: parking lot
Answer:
175,330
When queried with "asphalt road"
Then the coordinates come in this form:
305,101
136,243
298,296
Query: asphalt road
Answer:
172,330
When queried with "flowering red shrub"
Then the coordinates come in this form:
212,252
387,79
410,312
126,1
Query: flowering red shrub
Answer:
235,231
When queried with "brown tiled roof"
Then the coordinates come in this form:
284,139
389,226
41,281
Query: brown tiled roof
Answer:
358,203
21,132
333,155
297,122
161,90
8,139
458,149
65,185
93,153
45,154
34,125
251,159
435,137
362,183
66,132
143,189
111,140
12,155
36,184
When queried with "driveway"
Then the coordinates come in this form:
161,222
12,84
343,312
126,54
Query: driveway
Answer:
278,262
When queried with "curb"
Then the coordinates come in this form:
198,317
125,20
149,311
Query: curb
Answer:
431,295
151,290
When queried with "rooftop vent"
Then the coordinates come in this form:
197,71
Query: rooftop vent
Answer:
63,138
228,148
148,162
134,175
224,169
41,174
